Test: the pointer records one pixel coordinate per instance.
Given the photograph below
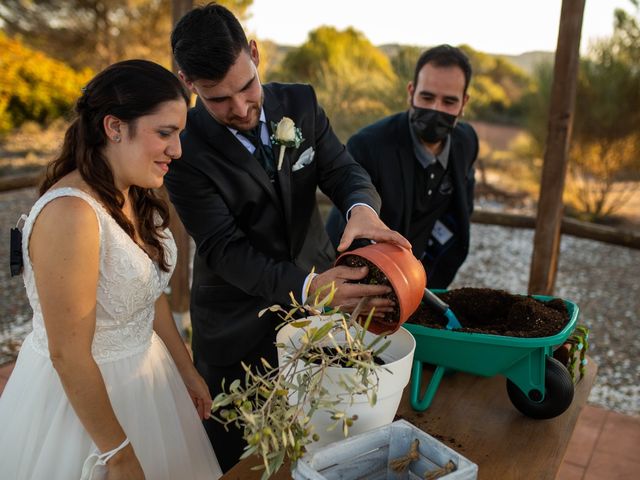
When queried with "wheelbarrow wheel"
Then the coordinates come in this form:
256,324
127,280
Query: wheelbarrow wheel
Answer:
558,393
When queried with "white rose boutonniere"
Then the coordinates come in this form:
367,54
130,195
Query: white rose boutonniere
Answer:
286,134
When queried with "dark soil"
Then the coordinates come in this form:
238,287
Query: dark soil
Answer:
484,310
451,441
332,352
375,277
426,426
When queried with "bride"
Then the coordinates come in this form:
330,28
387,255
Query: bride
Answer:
104,386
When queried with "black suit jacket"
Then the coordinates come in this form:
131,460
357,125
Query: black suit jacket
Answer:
385,150
253,245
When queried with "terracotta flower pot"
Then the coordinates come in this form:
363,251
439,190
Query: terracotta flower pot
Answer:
405,273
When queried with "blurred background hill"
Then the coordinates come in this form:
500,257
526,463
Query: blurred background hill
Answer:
50,48
528,61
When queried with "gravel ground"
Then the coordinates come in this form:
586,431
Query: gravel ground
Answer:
15,313
600,278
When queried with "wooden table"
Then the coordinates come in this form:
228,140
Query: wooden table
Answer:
474,416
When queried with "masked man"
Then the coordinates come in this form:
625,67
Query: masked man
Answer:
422,163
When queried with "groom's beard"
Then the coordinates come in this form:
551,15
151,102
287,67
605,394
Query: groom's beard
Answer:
250,121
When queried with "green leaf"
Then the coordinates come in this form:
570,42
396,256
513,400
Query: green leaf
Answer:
221,400
328,297
376,340
249,451
272,308
368,320
322,332
276,463
290,314
300,323
265,363
382,348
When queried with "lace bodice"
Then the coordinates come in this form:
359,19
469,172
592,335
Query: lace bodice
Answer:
129,283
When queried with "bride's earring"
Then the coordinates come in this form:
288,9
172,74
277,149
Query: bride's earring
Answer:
116,138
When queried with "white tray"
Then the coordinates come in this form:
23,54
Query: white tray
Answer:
367,456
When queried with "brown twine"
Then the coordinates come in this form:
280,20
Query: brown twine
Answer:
400,464
441,472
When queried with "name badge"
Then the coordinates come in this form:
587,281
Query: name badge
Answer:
441,233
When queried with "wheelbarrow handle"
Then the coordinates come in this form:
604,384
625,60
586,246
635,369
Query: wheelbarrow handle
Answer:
422,403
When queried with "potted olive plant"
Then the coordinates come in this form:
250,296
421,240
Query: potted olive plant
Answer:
334,378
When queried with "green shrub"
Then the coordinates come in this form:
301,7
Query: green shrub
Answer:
34,87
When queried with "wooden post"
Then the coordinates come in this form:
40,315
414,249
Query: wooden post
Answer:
179,283
546,244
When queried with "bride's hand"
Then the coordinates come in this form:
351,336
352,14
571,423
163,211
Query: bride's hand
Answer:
199,393
125,466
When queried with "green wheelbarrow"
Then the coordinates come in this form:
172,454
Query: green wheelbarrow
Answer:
538,385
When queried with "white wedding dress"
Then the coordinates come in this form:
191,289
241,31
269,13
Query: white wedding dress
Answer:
41,437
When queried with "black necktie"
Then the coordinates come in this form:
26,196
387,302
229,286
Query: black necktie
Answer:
263,153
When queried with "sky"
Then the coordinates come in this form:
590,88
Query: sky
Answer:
491,26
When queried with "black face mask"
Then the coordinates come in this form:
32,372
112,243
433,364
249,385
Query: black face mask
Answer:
432,126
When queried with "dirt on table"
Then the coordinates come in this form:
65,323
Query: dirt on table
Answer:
484,310
375,277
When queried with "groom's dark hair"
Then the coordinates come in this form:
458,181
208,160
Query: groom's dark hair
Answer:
206,42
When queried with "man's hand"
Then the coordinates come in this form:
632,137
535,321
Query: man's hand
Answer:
364,223
348,295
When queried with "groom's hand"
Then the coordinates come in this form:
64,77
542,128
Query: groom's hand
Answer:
365,223
348,294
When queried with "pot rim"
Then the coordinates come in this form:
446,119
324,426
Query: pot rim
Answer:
382,249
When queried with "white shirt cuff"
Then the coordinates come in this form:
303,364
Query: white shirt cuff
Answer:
306,285
359,204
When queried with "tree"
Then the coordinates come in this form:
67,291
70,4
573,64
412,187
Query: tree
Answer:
403,62
606,151
605,147
270,58
497,88
96,33
34,86
536,104
352,78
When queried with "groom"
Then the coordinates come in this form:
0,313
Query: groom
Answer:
254,218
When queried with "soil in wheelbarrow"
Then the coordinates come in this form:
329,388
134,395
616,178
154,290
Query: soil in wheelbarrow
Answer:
496,312
376,277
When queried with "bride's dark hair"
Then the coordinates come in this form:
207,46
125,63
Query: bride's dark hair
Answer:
127,90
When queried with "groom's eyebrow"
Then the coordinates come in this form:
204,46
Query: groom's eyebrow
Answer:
224,97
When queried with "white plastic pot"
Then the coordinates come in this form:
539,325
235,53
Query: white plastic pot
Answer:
393,378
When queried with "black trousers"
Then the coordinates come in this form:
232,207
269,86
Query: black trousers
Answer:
229,445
